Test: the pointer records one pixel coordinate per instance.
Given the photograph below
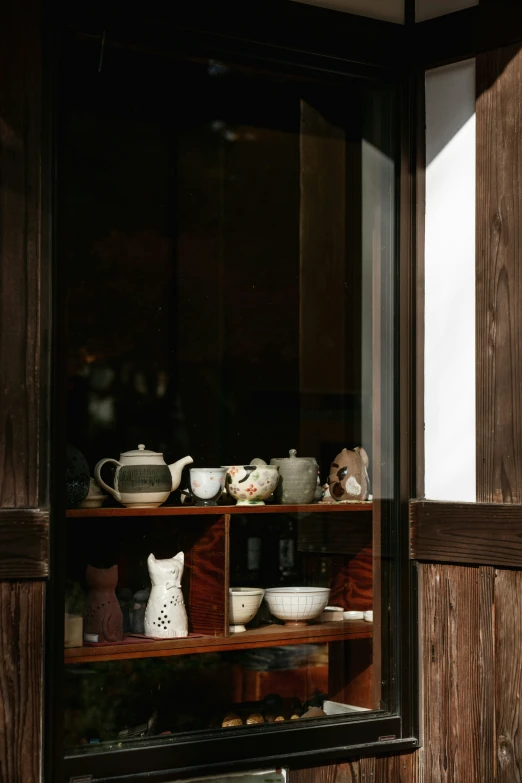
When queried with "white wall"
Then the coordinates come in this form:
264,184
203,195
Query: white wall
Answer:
428,9
449,374
388,10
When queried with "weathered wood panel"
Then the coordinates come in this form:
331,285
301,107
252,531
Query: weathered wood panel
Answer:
383,769
23,413
21,675
458,666
508,664
499,278
483,533
24,543
499,364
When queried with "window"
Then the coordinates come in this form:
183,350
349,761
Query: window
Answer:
227,241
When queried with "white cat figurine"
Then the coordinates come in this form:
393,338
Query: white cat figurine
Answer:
166,616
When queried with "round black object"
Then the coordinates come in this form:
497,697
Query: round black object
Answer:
77,478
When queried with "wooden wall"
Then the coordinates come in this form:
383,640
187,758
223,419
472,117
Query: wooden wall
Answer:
24,442
471,615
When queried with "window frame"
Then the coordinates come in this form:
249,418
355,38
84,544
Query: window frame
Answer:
272,745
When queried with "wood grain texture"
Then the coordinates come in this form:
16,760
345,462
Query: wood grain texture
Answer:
207,575
508,663
23,269
499,278
21,673
394,768
24,544
267,636
458,682
483,533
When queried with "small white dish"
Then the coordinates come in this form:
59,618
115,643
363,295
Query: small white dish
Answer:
353,615
368,616
332,613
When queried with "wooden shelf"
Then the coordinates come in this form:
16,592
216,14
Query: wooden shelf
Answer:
187,511
269,636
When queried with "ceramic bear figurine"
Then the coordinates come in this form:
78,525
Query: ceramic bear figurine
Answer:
103,620
165,616
348,479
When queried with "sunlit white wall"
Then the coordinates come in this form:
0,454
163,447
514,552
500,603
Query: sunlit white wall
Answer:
449,374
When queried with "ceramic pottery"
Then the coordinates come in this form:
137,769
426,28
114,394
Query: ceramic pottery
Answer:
103,619
251,485
298,480
297,605
142,478
77,479
207,485
165,616
138,610
244,603
95,497
348,479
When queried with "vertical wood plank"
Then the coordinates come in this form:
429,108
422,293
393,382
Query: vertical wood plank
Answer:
499,361
23,407
458,682
508,664
384,769
21,675
397,769
499,276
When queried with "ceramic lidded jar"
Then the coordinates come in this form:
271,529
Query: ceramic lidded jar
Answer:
298,479
142,478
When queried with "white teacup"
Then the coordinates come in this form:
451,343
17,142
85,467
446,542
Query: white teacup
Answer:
207,485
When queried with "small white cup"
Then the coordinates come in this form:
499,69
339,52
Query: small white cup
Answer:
207,485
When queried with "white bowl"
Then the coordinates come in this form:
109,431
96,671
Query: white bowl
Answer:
297,605
244,603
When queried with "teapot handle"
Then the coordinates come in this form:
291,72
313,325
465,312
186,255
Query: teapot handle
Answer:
101,482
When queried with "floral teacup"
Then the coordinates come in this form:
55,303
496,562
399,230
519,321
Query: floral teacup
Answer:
250,485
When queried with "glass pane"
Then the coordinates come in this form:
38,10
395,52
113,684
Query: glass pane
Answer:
227,239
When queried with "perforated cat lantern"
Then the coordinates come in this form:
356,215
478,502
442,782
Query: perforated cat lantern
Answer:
348,479
165,615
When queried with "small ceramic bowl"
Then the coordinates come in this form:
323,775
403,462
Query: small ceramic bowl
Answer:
251,485
332,613
297,605
244,603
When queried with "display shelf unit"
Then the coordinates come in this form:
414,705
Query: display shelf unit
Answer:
181,511
268,636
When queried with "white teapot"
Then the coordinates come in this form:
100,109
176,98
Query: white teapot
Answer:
142,478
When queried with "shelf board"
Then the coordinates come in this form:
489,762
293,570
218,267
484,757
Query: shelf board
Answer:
269,636
188,511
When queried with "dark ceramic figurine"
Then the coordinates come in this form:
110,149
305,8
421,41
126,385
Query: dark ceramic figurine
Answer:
103,621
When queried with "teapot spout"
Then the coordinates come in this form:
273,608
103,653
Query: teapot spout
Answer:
175,470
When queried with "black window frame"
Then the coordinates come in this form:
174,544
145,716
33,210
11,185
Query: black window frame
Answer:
308,39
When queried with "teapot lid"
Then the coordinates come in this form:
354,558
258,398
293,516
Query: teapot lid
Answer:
292,456
141,451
